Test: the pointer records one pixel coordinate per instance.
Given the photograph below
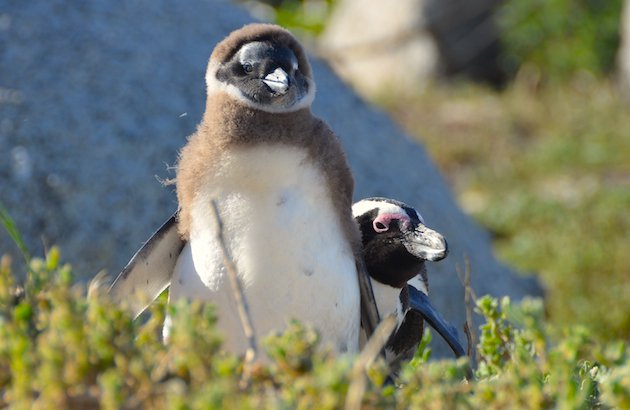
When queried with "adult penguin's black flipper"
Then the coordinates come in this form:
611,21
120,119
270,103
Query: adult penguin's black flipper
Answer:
420,303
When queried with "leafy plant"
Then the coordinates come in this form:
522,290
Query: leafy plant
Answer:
61,349
305,18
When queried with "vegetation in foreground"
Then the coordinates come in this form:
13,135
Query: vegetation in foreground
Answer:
60,350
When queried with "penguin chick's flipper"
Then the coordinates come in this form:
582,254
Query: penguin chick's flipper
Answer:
419,303
150,270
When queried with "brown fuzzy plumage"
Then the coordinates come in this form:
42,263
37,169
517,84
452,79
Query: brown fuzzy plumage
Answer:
228,124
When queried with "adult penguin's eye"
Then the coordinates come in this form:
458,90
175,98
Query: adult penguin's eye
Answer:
248,68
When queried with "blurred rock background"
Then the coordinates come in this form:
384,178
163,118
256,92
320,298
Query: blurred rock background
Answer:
394,47
516,101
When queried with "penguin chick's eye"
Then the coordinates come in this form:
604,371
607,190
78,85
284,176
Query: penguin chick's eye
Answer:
248,68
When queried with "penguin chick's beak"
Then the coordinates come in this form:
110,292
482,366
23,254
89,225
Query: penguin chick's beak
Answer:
426,244
278,81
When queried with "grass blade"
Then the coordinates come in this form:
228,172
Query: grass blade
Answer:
9,225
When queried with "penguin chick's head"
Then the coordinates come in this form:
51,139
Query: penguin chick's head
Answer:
264,67
396,243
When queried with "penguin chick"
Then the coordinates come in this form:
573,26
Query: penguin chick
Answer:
283,190
396,244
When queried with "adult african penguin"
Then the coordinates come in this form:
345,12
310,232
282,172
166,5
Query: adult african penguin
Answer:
283,189
396,244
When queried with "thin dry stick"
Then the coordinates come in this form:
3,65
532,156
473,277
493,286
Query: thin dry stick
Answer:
239,297
372,349
469,299
468,333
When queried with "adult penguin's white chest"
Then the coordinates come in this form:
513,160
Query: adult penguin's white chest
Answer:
285,237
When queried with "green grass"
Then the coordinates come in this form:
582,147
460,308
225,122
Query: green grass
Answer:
6,221
546,168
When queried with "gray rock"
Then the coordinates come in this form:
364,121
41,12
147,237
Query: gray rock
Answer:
97,98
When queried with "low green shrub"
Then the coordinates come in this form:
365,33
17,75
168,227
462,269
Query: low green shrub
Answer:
59,349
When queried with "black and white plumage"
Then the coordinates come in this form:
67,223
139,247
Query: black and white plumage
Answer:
396,244
283,190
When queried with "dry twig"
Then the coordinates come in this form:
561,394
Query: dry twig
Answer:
469,300
239,297
372,349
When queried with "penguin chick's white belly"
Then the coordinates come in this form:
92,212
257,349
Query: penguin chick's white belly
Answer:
285,237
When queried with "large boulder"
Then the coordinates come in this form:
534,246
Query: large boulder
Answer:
97,98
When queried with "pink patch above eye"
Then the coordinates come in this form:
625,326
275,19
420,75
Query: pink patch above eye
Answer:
381,222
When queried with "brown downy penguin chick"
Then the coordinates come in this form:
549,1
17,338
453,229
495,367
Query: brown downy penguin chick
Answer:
284,194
